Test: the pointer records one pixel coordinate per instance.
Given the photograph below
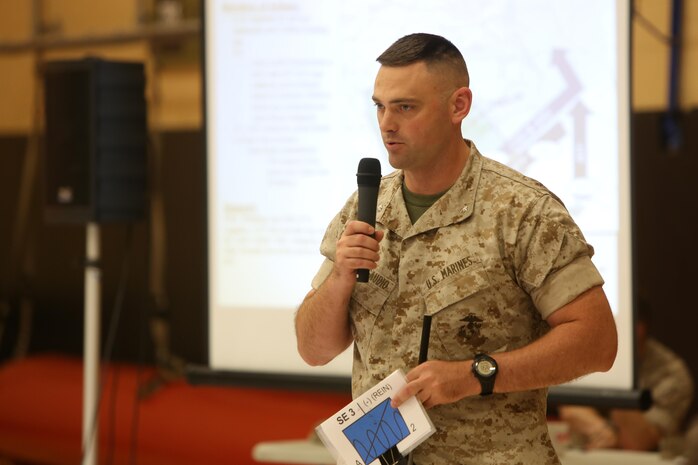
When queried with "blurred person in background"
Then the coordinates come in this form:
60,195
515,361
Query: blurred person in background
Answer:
665,375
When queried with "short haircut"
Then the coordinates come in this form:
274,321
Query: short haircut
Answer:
430,49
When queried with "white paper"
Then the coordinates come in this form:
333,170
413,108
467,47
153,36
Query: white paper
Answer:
368,426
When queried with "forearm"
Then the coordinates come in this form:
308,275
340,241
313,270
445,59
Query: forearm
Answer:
564,354
560,356
567,352
582,340
322,322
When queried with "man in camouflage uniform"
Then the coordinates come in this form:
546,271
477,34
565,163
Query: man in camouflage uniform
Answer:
491,255
666,376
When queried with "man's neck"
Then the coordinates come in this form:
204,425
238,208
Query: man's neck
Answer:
440,176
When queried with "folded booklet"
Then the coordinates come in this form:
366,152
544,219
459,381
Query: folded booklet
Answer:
368,431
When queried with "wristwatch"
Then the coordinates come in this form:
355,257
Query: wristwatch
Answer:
485,370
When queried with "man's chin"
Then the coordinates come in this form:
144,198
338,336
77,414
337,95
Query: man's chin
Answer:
396,160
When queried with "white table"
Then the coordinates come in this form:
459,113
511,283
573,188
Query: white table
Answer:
613,457
307,452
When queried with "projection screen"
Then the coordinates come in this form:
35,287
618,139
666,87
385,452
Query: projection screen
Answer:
289,114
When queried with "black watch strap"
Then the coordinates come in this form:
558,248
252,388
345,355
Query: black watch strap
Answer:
485,369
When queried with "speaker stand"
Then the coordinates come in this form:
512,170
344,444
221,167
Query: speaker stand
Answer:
90,405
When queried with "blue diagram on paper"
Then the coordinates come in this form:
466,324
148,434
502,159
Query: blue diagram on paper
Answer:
377,431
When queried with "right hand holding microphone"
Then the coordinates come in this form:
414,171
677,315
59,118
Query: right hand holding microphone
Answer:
356,249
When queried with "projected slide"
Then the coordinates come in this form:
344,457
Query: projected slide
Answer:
289,115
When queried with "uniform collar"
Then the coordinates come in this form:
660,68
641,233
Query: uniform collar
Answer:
454,206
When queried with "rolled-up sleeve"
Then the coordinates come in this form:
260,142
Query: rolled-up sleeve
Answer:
553,260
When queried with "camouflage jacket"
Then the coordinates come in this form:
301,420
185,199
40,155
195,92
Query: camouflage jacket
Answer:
666,375
489,260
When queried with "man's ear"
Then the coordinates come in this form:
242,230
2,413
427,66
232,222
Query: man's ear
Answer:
462,99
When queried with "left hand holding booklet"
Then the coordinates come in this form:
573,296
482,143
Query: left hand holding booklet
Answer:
368,431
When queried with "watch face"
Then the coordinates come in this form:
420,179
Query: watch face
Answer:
485,368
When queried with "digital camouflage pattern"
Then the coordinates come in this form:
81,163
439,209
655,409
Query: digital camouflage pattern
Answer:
493,257
667,377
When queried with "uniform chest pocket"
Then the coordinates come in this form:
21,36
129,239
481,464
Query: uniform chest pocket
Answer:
366,312
370,297
464,315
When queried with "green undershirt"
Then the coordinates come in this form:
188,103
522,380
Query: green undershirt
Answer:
417,204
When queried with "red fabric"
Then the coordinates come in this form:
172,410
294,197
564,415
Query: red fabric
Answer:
41,416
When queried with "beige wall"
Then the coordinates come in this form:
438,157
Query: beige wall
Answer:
174,86
174,90
650,68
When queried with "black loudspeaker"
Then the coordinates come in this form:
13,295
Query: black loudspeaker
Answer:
95,142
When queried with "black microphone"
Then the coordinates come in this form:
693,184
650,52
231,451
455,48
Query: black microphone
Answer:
368,177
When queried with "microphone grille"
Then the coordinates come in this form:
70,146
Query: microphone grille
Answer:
369,172
371,166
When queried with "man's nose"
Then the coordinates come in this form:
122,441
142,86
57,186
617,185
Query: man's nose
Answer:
387,122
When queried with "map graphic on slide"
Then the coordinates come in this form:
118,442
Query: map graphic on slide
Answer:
377,431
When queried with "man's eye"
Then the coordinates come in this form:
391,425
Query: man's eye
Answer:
405,107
